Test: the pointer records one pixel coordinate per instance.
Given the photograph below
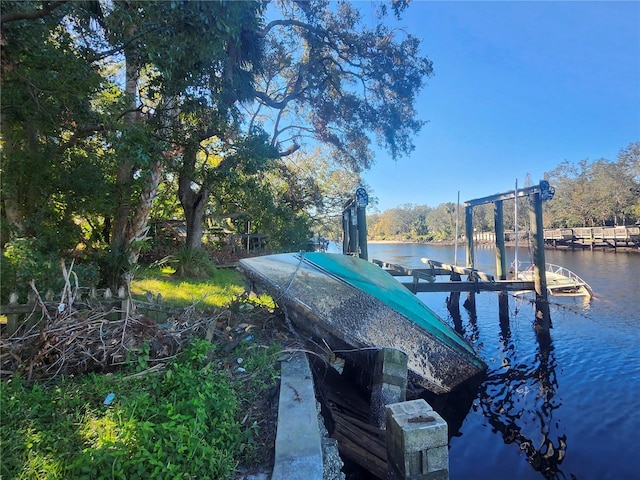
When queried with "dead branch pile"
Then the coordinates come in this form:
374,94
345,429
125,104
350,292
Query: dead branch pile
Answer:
75,342
62,340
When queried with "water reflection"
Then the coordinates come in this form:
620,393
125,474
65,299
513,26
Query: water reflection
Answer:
518,397
518,400
594,353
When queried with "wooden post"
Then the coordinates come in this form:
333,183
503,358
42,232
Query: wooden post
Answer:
353,231
453,304
501,264
498,220
12,318
362,232
345,230
542,322
470,303
362,200
468,217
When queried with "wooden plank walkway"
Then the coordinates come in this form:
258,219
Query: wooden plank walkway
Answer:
594,236
476,281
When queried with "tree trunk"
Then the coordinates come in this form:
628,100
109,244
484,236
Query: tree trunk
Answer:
124,175
139,224
193,203
120,247
195,217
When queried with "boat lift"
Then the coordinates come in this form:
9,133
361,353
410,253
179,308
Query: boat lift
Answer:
355,243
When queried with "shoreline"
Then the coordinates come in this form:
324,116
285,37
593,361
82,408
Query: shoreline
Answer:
605,248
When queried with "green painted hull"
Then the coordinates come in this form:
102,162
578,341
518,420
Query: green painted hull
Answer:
352,304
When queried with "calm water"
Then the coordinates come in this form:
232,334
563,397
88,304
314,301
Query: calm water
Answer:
567,410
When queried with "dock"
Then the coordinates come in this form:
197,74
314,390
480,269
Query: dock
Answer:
354,242
424,279
593,237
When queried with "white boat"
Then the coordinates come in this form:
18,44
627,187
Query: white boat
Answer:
560,281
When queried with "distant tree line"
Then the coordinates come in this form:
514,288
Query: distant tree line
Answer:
597,193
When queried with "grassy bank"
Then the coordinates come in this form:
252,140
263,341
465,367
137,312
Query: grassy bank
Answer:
202,413
217,290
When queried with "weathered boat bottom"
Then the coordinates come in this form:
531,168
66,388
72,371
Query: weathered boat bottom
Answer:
347,319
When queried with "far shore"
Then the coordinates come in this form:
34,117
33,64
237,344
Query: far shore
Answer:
461,243
443,243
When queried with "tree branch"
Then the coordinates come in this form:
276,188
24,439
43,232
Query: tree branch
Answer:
47,8
78,134
270,102
289,23
294,147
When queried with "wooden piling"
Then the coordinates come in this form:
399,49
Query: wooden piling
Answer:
468,216
501,264
361,202
345,230
501,270
543,317
362,231
354,225
353,231
453,304
470,302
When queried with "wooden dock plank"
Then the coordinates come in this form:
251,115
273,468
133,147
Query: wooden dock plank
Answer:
465,286
481,282
460,270
421,273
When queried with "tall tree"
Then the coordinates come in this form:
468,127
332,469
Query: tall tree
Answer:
51,166
140,81
184,70
442,221
330,78
324,76
612,186
210,117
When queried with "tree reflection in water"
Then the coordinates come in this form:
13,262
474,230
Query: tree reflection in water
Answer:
517,399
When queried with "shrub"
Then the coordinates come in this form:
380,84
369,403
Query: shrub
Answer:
194,263
26,259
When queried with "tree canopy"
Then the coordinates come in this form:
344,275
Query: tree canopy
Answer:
331,78
222,105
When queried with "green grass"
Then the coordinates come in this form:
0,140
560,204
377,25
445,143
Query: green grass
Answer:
217,291
184,423
199,418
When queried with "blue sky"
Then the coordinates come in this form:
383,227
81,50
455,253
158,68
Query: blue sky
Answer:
518,88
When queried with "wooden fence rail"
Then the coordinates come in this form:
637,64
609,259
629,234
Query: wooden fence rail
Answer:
117,307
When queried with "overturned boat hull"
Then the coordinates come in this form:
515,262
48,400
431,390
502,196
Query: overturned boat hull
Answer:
352,304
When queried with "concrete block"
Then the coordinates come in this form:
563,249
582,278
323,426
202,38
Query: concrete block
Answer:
389,383
417,440
438,458
391,368
394,474
298,452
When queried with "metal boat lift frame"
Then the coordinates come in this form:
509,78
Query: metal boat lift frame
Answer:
536,194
